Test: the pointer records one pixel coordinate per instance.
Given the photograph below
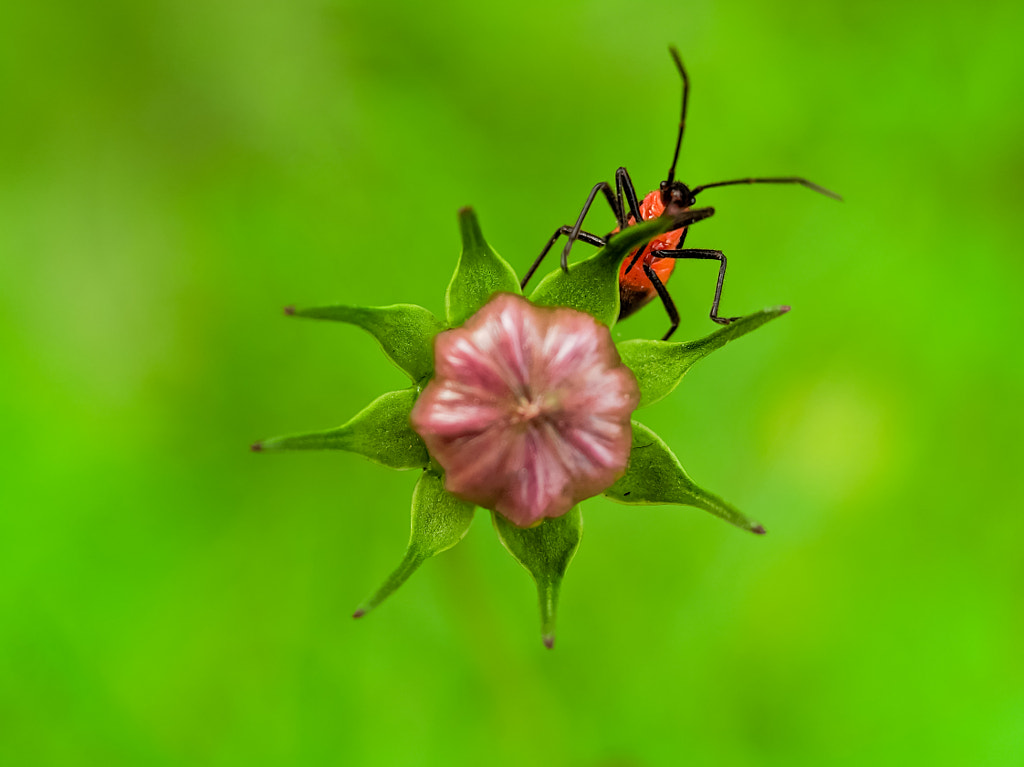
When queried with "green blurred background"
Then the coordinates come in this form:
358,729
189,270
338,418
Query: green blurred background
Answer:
175,173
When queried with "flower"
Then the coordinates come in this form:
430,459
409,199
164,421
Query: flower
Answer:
525,406
528,411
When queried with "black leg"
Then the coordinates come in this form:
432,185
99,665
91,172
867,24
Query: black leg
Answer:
587,237
682,239
575,233
715,255
687,217
626,193
623,183
666,299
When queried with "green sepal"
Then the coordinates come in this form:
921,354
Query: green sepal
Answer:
545,551
405,331
479,274
659,366
439,521
380,432
655,476
592,286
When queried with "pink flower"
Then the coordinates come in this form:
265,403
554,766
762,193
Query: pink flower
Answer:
528,411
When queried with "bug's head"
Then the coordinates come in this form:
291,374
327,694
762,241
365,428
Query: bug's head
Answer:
676,196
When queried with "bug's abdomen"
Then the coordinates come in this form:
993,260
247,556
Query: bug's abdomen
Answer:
635,289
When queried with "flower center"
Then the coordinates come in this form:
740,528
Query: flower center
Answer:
530,408
526,409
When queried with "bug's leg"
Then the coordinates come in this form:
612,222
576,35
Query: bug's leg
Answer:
587,237
684,220
666,299
624,186
601,186
714,255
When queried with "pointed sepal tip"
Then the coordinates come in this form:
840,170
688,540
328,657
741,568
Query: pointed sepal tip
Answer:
439,521
659,366
545,551
479,273
655,476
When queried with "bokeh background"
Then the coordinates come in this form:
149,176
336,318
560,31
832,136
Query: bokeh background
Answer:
175,173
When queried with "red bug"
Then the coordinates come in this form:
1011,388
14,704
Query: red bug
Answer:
656,261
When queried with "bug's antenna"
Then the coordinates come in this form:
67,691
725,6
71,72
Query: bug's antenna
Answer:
682,118
784,180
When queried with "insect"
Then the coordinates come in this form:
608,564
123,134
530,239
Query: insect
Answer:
645,271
